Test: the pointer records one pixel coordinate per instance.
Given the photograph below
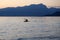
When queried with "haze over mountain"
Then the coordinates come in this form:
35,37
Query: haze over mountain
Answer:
31,10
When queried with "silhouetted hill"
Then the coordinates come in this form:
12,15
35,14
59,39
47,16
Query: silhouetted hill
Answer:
55,14
32,10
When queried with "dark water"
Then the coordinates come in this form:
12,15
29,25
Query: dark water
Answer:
40,38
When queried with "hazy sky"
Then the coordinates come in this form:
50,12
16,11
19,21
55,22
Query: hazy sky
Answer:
14,3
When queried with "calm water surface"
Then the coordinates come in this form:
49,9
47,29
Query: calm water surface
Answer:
38,28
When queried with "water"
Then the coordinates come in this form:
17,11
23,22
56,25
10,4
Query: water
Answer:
38,28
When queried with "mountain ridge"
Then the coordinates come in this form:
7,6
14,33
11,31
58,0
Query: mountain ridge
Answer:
31,10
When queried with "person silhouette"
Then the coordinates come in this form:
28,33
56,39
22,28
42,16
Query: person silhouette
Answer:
26,20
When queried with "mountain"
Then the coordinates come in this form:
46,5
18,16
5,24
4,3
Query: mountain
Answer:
56,13
31,10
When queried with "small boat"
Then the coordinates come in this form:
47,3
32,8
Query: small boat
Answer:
26,20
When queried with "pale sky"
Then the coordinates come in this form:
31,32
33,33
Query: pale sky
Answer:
14,3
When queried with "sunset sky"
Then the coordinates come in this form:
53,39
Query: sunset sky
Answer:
15,3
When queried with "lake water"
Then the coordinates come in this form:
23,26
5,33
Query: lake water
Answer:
38,28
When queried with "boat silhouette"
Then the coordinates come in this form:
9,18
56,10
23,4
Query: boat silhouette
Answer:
26,20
